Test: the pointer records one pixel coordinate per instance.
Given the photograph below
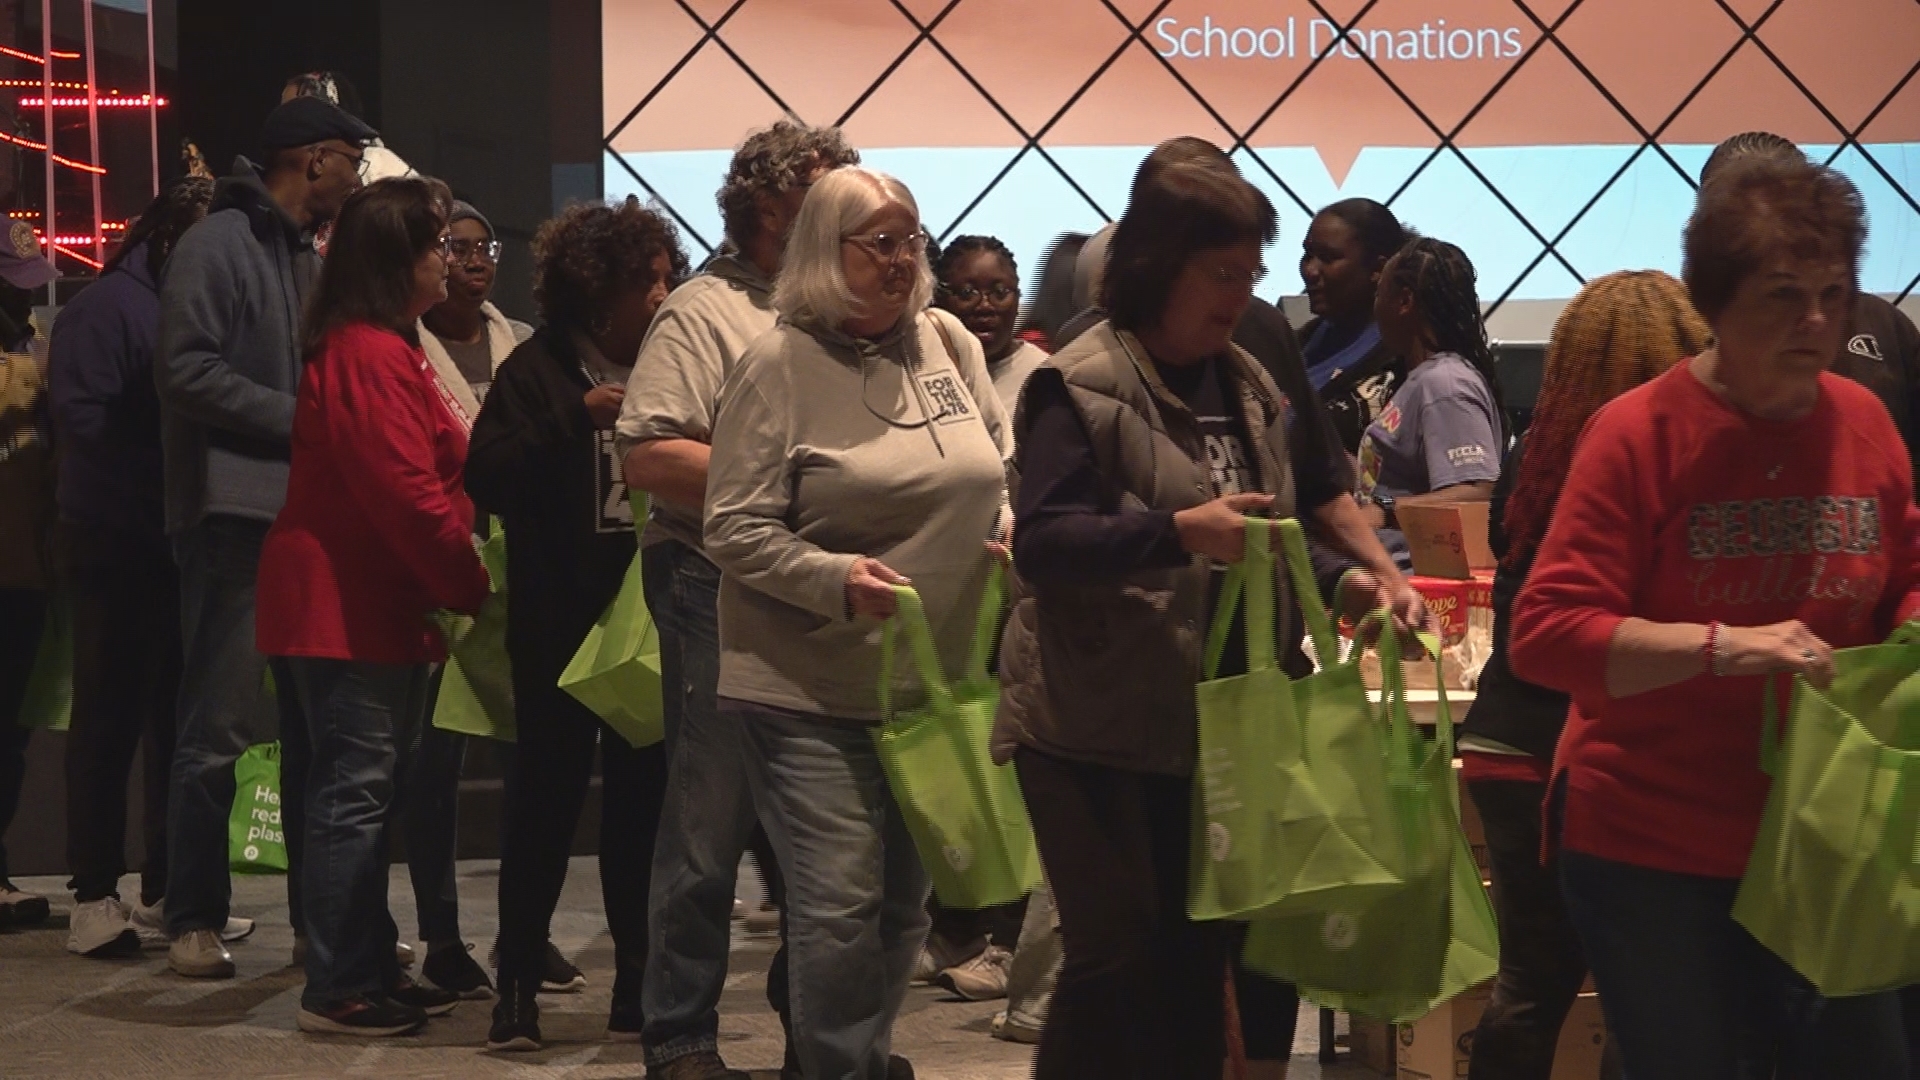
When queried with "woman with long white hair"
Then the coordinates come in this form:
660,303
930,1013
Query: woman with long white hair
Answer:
858,446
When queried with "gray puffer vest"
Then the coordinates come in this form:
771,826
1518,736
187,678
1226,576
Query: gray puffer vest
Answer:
1104,673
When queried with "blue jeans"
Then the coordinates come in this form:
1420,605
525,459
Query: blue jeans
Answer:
1690,995
222,709
856,891
429,817
707,820
362,720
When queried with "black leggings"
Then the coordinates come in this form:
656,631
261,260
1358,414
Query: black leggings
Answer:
553,765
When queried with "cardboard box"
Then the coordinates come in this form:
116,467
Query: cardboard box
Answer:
1448,540
1447,599
1439,1045
1371,1042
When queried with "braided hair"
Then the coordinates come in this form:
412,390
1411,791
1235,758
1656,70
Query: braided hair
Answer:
949,255
1441,279
164,221
1621,330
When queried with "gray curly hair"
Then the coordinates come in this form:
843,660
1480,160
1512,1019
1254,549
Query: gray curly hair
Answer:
773,160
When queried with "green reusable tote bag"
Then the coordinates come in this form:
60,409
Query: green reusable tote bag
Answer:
476,689
48,703
1427,941
616,671
256,843
1836,863
965,813
1292,811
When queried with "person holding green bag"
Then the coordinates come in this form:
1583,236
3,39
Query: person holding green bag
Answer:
858,446
1723,527
543,461
1142,450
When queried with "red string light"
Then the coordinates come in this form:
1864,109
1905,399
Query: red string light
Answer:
29,144
34,59
108,102
70,253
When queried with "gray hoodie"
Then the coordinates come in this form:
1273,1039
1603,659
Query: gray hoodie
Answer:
697,337
229,359
826,449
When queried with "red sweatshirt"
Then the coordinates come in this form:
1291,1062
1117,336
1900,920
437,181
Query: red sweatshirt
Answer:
1679,509
377,530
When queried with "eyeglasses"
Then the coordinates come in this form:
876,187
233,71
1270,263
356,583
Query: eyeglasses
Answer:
464,251
444,246
1227,277
997,293
889,247
359,160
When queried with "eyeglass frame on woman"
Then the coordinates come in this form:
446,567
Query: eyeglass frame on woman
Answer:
461,251
913,244
967,294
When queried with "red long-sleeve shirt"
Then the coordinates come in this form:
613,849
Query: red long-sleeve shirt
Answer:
377,530
1679,509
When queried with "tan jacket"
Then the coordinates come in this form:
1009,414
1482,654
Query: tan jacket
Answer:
1105,673
26,474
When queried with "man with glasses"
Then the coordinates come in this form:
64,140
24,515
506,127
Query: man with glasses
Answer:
665,425
227,369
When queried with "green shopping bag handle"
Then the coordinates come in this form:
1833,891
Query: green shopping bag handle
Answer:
1403,741
987,626
911,615
1251,579
1293,543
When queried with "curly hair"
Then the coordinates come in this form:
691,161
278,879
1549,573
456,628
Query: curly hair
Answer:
1621,330
773,160
588,255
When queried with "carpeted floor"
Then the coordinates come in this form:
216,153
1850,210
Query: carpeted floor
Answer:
68,1017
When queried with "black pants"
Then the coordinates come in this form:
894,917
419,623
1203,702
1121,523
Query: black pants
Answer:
1541,964
553,765
126,682
23,614
1141,990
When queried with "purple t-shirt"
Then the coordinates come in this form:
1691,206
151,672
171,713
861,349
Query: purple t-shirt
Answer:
1442,428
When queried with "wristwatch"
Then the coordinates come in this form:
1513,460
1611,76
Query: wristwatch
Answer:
1385,503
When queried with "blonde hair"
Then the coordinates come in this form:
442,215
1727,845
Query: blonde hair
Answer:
811,291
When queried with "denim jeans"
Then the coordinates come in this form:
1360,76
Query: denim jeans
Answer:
1690,995
362,720
707,821
856,891
222,709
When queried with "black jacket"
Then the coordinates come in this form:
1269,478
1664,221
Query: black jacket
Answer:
1355,397
1508,709
1883,355
537,461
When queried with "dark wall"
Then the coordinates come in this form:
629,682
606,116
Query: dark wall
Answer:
235,55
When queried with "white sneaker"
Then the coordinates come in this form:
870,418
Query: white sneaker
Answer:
198,954
101,928
939,954
150,922
983,978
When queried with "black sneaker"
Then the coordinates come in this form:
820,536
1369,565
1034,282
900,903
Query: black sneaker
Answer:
699,1065
559,977
367,1015
516,1018
428,999
19,908
624,1021
453,968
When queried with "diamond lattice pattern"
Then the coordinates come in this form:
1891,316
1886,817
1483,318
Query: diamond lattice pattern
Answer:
1555,140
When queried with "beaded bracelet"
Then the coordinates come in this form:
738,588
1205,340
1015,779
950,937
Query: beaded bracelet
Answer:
1713,650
